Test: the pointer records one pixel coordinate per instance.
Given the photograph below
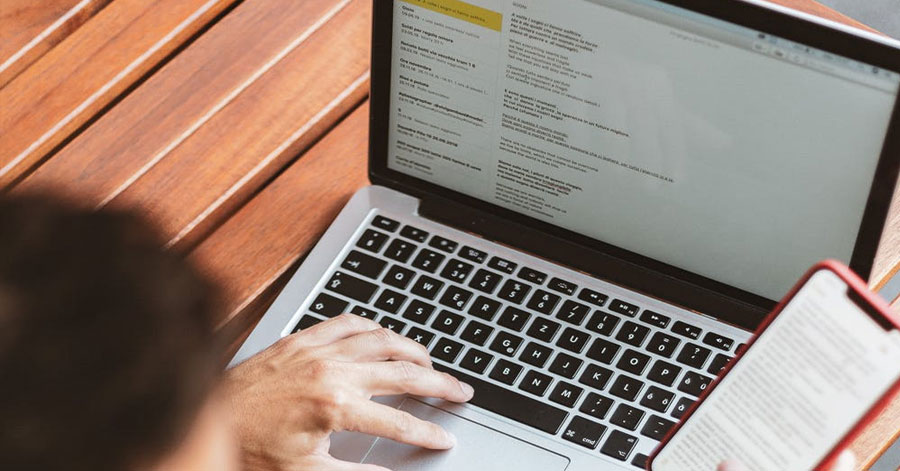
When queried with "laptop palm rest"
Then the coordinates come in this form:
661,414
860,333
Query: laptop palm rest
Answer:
479,447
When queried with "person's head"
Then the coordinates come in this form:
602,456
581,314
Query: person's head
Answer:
108,358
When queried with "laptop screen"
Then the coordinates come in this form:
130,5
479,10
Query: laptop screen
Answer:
723,151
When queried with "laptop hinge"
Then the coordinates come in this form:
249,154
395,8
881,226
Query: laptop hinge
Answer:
590,261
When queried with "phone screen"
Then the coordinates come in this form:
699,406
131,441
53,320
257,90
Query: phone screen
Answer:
801,387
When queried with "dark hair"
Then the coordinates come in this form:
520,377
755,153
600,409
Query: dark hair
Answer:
107,349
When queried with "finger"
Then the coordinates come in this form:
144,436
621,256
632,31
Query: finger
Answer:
333,330
383,421
400,377
846,461
731,466
377,345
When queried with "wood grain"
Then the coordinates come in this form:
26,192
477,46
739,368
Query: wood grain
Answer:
265,238
31,28
89,69
817,9
192,157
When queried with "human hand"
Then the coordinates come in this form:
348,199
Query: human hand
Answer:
289,399
846,462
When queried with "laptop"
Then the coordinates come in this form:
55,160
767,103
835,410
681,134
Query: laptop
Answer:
583,208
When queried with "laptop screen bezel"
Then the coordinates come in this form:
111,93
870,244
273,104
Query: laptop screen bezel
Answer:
695,291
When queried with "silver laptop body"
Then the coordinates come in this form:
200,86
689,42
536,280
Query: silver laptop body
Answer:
583,208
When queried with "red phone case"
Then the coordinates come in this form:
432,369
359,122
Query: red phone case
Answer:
855,283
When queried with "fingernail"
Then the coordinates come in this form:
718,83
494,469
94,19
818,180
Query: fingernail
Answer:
469,390
451,439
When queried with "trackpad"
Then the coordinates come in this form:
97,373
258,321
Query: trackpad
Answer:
479,448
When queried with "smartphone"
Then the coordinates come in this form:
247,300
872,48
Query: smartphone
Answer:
821,366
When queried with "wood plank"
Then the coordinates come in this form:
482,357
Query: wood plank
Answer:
188,159
817,9
89,69
261,247
31,28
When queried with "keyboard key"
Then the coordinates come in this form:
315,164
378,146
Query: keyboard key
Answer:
485,281
422,337
583,432
385,224
427,287
484,308
390,301
441,243
655,319
506,343
663,344
572,312
627,417
328,305
565,365
566,394
418,312
621,307
447,350
305,323
602,323
532,275
657,399
457,270
476,361
514,318
393,324
503,265
595,376
693,355
633,362
511,404
456,297
543,329
686,330
372,240
399,277
536,354
400,250
603,351
619,445
365,313
536,383
413,233
428,260
448,322
684,405
718,364
573,340
477,333
562,286
593,297
657,427
473,255
543,301
596,406
351,287
506,372
694,383
664,373
633,334
640,461
514,291
363,264
718,341
626,387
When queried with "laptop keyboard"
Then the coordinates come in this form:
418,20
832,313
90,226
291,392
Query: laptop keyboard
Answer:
601,373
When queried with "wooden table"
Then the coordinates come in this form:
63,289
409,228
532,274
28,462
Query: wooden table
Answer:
240,127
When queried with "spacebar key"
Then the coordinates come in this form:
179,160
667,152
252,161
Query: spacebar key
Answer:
511,404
